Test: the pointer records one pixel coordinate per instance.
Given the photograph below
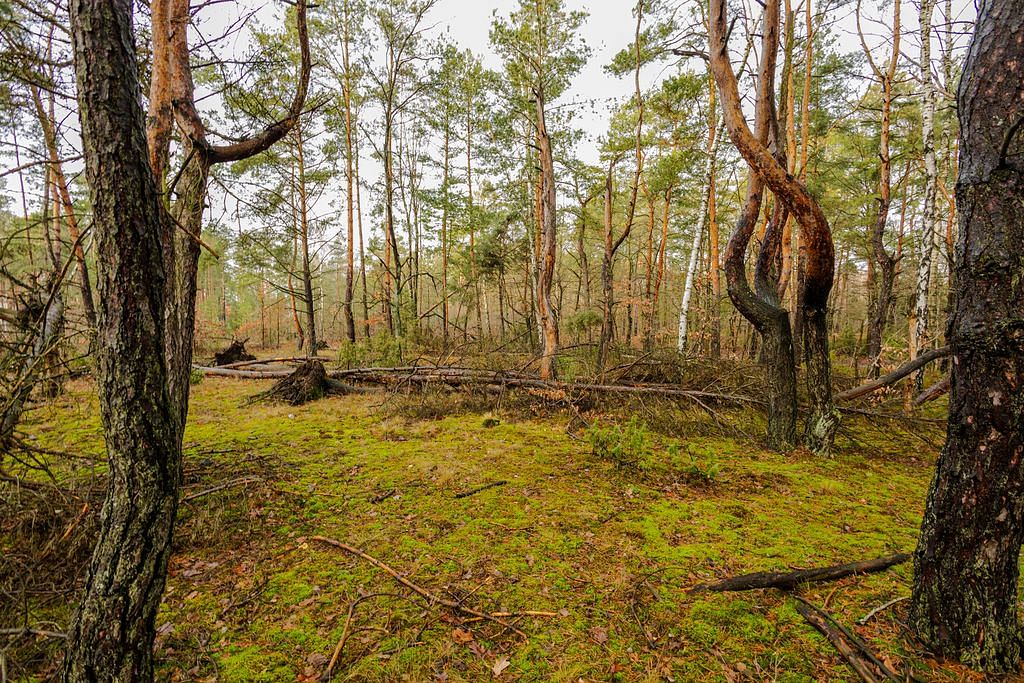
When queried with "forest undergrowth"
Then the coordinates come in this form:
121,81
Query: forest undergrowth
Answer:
598,513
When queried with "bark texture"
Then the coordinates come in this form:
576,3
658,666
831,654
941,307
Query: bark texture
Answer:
111,636
964,602
548,246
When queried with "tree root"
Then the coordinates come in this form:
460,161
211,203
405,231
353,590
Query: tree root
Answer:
306,383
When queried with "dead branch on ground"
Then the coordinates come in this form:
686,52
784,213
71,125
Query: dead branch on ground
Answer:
790,580
497,617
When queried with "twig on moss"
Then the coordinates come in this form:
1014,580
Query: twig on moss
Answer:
432,598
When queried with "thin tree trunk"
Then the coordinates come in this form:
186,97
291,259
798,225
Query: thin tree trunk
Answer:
714,136
919,336
350,323
885,264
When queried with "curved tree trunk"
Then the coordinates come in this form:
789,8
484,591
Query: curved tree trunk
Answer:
964,602
823,422
885,263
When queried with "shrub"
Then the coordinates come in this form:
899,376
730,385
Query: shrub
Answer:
626,446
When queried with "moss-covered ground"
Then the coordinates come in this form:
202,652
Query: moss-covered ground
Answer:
609,549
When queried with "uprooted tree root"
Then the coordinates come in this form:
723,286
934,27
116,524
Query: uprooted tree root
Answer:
234,353
306,383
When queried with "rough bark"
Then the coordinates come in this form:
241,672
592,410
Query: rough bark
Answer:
111,635
964,601
548,246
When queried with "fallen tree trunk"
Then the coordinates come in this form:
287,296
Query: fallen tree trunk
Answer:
488,378
894,376
790,580
265,361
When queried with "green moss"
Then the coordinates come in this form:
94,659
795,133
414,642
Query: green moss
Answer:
568,531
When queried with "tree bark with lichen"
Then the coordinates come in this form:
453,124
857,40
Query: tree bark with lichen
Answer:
964,602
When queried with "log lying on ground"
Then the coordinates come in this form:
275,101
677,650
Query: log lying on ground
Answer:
233,354
894,376
458,376
308,382
265,361
932,392
790,580
854,650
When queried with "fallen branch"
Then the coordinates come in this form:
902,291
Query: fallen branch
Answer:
26,631
265,361
854,650
894,376
881,608
932,392
241,481
790,580
347,631
431,598
478,489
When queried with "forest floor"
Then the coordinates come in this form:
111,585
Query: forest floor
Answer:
609,549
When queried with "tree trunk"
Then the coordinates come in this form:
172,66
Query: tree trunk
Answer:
818,274
307,270
929,96
548,247
350,323
964,602
885,263
111,635
714,136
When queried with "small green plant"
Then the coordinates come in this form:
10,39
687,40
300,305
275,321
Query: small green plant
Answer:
627,446
703,466
195,377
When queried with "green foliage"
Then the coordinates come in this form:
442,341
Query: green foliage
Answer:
703,466
627,446
195,377
582,321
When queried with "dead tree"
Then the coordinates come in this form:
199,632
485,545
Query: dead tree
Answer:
964,601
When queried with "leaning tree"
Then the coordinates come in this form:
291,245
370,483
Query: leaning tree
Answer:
964,603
